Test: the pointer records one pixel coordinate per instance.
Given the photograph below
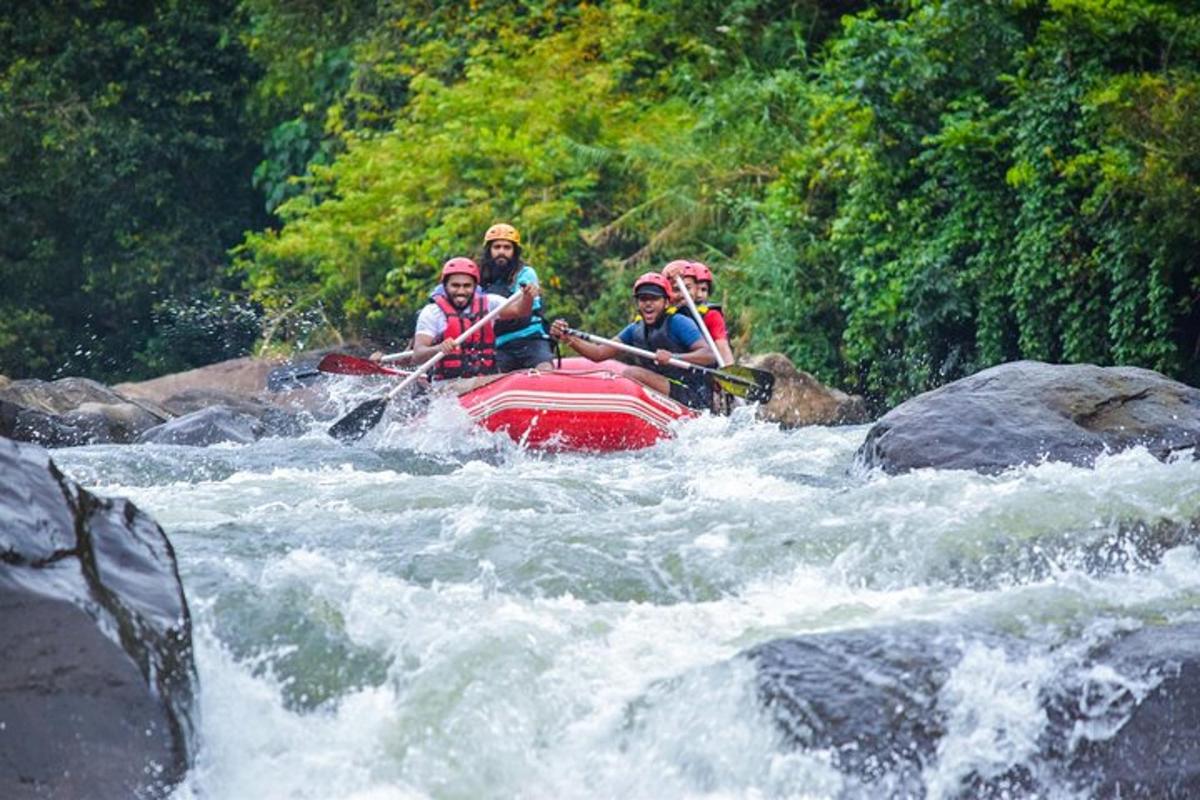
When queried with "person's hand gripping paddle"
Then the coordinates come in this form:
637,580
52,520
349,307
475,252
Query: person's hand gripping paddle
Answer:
755,385
366,416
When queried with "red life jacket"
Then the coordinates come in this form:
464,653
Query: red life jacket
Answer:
477,355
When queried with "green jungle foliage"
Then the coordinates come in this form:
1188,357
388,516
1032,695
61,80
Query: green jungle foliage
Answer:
895,194
123,180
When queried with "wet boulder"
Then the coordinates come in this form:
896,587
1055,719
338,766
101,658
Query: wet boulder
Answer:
245,385
207,426
869,698
245,377
800,399
72,411
273,420
60,396
1118,719
1026,411
297,375
1127,722
97,677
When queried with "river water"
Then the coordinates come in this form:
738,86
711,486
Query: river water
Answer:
435,612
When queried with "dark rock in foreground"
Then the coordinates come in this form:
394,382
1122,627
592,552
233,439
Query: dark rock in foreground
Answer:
1026,412
1153,694
868,698
1121,720
97,677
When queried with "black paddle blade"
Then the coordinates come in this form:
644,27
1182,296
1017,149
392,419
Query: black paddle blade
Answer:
755,385
355,425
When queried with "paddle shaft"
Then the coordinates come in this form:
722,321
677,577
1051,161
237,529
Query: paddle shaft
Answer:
637,351
403,354
467,334
700,321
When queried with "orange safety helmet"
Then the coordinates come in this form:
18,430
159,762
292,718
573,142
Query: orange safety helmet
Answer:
460,266
699,273
502,230
652,279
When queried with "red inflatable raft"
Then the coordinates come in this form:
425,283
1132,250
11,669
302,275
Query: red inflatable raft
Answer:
582,406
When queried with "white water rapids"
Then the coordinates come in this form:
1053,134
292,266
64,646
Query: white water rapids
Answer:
436,612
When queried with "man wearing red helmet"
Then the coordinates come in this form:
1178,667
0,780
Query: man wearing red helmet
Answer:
457,307
667,335
697,278
521,342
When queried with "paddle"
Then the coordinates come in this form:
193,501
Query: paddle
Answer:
755,385
362,419
342,364
708,339
403,354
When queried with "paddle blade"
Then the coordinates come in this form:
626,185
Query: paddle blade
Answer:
755,385
355,425
342,364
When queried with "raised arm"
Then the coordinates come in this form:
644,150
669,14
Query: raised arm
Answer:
523,308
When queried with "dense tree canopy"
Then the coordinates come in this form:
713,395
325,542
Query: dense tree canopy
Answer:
123,165
895,194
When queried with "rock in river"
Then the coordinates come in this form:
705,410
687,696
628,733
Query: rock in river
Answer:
1026,411
97,676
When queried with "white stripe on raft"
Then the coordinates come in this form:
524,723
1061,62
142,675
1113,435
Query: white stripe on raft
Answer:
562,401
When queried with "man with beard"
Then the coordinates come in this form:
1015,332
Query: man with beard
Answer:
457,308
521,343
667,335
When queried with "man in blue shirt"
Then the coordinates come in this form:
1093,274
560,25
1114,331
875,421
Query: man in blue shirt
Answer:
521,343
666,335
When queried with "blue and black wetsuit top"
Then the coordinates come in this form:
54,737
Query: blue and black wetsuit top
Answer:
676,333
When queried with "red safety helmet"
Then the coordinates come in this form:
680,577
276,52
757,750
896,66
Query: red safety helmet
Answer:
679,262
699,273
652,279
460,266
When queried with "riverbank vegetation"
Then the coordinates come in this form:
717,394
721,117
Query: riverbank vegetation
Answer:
894,194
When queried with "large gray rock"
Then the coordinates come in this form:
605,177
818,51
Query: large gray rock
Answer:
241,376
291,386
800,399
207,426
1152,698
1122,721
73,411
1026,411
868,698
60,396
273,420
97,677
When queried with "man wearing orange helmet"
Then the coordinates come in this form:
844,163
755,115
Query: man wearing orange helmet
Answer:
453,310
522,342
668,335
